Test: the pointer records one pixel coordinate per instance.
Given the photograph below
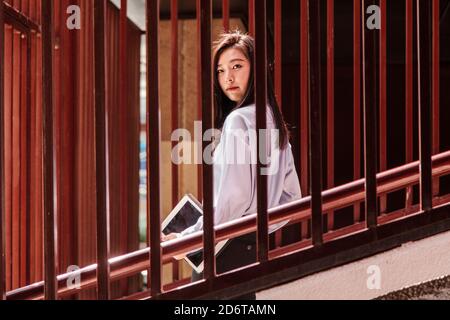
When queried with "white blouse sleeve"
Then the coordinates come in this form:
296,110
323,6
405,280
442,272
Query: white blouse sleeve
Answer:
291,191
233,183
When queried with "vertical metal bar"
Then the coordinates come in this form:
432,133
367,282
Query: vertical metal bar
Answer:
33,127
278,238
123,107
153,145
207,118
261,118
356,100
50,225
103,270
174,87
39,159
7,154
409,78
424,55
383,97
28,160
226,14
315,122
330,104
370,99
199,94
23,163
304,102
16,161
57,134
278,52
2,159
251,17
175,270
436,86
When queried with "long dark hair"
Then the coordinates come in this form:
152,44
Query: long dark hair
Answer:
223,105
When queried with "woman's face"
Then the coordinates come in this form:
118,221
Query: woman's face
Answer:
233,72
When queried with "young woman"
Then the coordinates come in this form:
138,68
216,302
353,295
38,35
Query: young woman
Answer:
235,155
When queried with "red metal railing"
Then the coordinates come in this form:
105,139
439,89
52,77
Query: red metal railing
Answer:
50,226
304,96
379,231
336,198
409,92
356,99
2,162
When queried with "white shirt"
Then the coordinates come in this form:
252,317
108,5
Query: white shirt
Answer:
234,162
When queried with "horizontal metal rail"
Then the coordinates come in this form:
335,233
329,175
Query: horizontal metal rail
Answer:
333,199
20,21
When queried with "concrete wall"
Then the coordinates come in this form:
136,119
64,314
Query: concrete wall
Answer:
410,264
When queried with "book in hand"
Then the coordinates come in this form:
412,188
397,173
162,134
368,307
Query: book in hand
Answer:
186,214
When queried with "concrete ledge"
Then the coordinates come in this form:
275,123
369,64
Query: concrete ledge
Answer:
378,275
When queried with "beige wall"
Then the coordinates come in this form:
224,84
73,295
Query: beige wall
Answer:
187,83
408,265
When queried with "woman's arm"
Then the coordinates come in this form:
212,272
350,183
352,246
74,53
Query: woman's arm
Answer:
291,191
233,182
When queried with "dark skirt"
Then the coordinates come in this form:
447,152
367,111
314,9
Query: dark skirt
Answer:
237,253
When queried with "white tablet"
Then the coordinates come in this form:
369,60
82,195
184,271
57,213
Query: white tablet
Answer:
185,214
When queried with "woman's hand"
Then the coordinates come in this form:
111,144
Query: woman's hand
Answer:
168,237
172,236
